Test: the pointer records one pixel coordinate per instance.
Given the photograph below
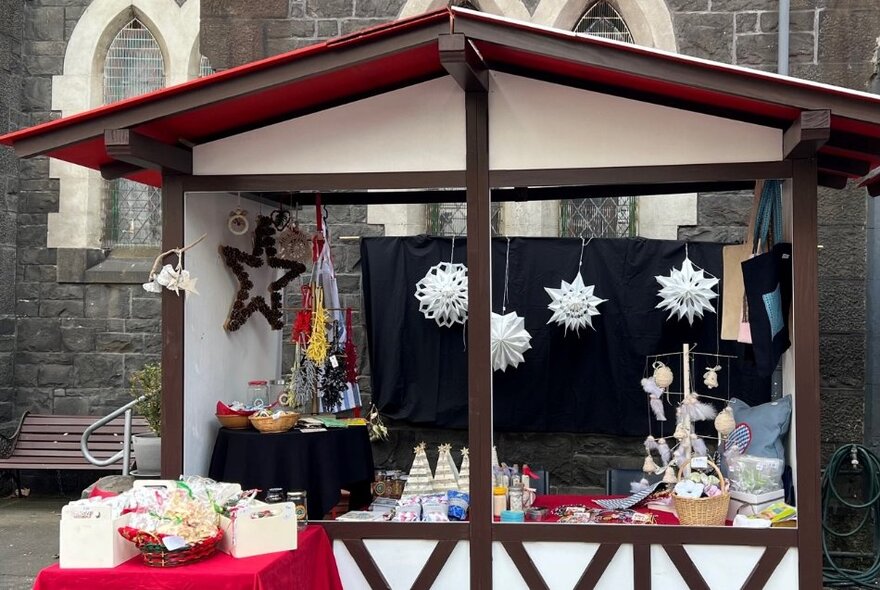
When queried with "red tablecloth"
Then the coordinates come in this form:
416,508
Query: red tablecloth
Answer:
311,566
551,502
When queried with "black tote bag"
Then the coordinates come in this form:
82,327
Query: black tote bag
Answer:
767,282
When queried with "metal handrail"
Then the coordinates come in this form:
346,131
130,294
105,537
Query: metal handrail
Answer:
125,453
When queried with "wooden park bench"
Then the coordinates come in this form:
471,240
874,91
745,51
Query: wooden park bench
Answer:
47,441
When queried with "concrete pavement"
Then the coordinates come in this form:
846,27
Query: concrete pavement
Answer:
28,538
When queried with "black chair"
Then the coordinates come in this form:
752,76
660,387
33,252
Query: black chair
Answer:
617,480
542,484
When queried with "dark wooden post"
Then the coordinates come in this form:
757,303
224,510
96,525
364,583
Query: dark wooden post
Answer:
479,257
172,335
805,328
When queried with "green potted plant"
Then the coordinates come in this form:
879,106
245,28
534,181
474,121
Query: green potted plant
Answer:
147,383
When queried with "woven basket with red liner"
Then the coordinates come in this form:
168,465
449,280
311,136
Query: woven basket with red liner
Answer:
156,554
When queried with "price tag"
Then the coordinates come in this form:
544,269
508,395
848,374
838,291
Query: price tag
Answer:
173,542
700,463
334,362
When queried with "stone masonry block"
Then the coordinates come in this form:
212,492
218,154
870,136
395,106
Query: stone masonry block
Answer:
99,370
706,35
849,75
327,28
761,48
842,360
231,42
590,470
723,234
78,339
283,29
724,208
146,307
387,9
73,406
118,342
746,22
800,21
64,308
843,252
848,35
550,452
844,207
842,416
253,9
688,5
841,306
740,5
55,375
135,325
104,301
350,25
39,335
330,8
33,399
44,23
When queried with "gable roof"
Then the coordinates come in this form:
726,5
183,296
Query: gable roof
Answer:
405,52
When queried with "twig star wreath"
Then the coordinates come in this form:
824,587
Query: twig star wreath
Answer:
244,305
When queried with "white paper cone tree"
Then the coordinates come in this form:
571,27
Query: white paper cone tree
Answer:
420,480
446,474
464,476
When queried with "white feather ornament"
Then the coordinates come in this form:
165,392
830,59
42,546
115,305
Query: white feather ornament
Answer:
650,443
510,340
442,294
680,455
686,292
669,476
680,432
650,386
657,407
699,446
695,410
573,304
663,449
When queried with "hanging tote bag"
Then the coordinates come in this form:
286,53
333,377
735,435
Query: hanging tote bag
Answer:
733,292
767,283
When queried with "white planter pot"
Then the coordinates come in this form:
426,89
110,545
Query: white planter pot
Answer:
147,452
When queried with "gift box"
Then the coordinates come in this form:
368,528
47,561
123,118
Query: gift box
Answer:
89,537
750,504
259,528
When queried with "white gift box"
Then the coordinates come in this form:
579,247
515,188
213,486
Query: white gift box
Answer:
90,538
245,536
751,504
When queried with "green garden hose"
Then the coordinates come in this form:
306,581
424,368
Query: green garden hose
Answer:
869,509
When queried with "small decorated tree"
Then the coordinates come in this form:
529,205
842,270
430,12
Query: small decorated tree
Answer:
420,480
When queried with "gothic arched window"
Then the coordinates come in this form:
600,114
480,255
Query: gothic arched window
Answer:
134,65
603,20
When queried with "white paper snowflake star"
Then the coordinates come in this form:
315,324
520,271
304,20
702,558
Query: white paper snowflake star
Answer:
442,294
510,340
687,292
573,304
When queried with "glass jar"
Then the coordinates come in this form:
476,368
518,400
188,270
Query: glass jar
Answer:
515,497
276,388
300,506
257,395
274,496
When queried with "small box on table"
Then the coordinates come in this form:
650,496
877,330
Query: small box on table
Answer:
750,504
90,539
258,529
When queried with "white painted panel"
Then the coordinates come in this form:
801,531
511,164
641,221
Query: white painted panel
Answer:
349,573
561,564
664,574
505,575
421,127
619,574
400,560
218,364
536,124
456,574
738,560
786,575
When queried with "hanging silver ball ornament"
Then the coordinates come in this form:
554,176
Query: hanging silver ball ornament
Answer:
662,375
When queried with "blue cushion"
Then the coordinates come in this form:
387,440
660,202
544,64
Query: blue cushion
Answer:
768,422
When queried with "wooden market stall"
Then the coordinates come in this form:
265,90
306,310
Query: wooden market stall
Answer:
457,99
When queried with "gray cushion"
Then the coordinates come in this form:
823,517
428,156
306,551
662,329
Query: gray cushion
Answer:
768,423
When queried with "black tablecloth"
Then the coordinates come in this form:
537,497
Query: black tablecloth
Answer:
322,463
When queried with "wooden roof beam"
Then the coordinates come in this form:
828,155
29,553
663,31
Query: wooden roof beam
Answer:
130,147
807,134
461,59
116,170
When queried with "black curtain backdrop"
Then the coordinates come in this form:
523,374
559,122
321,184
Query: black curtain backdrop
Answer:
586,384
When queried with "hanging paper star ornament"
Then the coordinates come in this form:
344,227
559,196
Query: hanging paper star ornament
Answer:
687,292
510,340
442,294
573,304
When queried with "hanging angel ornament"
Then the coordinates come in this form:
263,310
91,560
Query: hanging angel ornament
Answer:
687,292
710,377
173,278
442,294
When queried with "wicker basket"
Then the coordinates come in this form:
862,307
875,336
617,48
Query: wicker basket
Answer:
268,424
702,511
233,421
155,554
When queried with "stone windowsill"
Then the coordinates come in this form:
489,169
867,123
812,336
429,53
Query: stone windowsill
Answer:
120,266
